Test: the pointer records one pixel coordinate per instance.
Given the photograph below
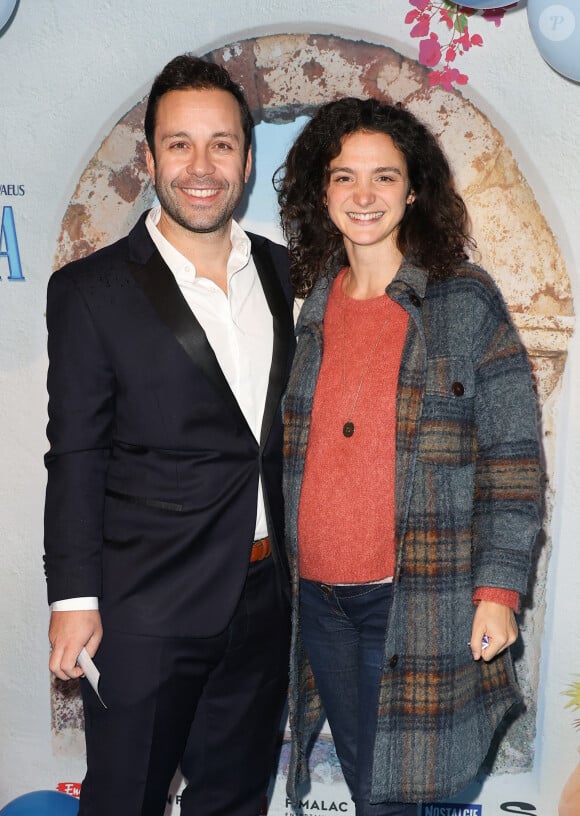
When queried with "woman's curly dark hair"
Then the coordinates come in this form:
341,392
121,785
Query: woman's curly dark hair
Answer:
434,229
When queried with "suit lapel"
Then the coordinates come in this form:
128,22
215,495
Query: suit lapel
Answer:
283,332
161,289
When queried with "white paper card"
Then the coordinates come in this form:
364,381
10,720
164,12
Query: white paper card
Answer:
91,672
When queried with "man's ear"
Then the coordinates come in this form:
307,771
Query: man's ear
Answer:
150,162
248,167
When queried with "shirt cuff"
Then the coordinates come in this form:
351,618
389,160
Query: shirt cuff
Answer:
507,597
74,604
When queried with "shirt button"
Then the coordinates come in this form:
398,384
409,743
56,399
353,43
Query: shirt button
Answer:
458,389
393,661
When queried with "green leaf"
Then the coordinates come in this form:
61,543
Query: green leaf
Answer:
461,22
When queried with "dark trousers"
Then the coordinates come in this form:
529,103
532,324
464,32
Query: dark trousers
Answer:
343,629
212,703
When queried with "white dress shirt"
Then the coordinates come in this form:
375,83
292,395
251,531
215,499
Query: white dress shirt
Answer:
238,326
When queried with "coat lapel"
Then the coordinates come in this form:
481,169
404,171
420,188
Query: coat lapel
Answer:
161,289
283,332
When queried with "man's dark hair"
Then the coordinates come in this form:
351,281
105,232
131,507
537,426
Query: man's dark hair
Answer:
187,72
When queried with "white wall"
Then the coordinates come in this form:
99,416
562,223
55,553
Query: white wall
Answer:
68,72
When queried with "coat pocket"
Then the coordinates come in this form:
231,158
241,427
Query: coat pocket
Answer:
448,432
143,501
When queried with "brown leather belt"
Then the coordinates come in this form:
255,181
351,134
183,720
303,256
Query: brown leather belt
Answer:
260,549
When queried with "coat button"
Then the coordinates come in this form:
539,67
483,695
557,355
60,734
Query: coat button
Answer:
415,299
458,389
393,661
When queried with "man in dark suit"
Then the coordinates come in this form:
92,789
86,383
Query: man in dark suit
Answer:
168,355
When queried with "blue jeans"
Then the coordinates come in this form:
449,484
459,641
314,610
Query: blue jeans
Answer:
343,629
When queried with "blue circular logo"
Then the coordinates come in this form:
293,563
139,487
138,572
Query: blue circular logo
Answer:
42,803
555,27
7,13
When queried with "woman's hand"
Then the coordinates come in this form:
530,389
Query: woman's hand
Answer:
498,623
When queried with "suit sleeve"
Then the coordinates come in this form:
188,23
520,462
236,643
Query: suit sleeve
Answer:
507,500
81,389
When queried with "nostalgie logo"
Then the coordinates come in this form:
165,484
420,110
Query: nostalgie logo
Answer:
9,250
451,810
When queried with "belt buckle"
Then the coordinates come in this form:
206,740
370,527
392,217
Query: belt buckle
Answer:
260,549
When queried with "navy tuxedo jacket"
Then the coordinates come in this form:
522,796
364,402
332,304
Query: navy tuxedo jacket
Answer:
152,468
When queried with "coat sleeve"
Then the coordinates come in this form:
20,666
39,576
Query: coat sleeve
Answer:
81,387
507,500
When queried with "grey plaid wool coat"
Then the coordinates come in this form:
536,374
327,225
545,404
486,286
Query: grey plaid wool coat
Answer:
467,514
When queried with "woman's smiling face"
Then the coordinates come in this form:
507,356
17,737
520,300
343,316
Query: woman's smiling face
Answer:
368,189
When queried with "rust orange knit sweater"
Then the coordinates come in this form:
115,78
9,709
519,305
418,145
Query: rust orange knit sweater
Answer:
347,514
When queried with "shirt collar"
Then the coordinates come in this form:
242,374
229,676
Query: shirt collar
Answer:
181,267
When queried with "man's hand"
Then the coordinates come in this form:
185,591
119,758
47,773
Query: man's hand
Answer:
499,624
68,633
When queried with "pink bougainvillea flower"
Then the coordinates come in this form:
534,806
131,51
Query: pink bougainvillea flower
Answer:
446,18
430,51
422,27
464,41
453,75
450,75
495,16
434,78
455,17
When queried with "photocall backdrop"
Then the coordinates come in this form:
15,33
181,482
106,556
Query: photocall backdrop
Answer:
73,179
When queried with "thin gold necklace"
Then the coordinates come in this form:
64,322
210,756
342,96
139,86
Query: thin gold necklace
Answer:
349,427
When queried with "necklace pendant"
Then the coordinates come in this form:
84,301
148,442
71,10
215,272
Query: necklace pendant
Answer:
348,428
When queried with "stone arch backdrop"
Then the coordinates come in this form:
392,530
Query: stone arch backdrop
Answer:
286,76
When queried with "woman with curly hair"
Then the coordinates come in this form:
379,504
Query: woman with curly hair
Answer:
412,475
